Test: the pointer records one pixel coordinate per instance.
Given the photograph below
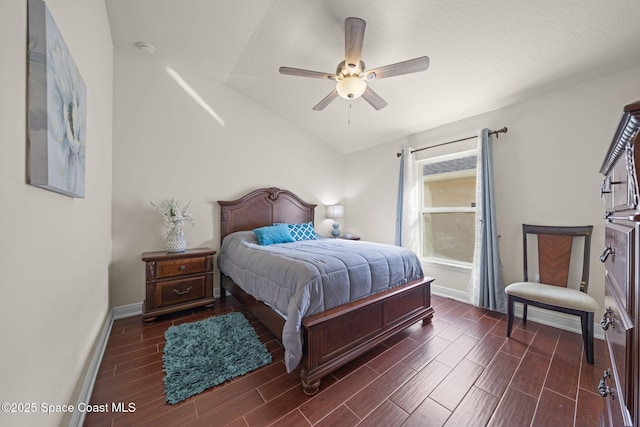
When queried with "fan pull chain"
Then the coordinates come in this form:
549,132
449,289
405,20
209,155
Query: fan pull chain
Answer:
349,114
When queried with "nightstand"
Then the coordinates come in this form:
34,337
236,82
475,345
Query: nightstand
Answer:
177,281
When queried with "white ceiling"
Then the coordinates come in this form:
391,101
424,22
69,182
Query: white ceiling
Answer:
484,54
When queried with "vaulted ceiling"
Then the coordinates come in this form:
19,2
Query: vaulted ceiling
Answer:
483,55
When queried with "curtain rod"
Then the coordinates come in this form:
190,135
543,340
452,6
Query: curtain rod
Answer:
493,132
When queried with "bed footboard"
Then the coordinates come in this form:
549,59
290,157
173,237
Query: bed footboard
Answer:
340,335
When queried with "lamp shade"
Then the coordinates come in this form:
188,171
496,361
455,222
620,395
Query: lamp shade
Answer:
351,87
334,211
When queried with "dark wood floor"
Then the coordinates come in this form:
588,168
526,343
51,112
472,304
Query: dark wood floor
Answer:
460,370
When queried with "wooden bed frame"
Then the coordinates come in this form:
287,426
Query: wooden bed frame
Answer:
339,335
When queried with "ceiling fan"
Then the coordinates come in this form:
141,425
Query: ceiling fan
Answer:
351,75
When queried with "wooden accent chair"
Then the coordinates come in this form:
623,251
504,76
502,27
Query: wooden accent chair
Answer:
553,292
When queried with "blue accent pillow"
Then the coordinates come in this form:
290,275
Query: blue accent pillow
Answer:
272,234
303,231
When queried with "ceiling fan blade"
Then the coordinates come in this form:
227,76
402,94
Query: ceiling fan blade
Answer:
353,40
374,99
306,73
399,68
326,100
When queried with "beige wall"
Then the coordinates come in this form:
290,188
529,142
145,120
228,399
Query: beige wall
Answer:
546,171
166,145
54,250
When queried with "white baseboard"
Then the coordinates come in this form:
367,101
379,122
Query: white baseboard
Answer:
129,310
546,317
558,320
77,419
453,294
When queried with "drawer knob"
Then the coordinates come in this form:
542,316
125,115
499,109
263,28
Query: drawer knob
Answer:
182,267
608,251
607,319
179,292
603,388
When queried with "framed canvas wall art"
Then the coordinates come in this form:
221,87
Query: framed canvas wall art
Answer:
57,109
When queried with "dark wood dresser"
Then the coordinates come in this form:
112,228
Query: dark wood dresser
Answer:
620,322
177,281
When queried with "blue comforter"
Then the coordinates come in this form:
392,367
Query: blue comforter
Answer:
303,278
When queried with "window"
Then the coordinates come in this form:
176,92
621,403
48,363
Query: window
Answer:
449,208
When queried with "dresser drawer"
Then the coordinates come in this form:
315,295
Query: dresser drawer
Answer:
620,195
620,188
178,291
616,413
181,267
618,332
617,256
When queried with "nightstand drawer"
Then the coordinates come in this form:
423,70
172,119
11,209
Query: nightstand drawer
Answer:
181,267
177,281
179,291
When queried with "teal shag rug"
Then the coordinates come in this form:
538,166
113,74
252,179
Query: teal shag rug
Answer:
202,354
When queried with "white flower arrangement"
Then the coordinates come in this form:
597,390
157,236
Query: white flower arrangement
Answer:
174,215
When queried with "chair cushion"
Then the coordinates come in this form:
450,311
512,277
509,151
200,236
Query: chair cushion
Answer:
553,295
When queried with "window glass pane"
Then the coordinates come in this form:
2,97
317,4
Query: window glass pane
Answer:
449,236
451,192
453,165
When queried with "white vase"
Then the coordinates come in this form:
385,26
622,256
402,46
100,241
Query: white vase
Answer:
175,241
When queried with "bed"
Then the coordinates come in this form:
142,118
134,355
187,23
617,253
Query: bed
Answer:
327,343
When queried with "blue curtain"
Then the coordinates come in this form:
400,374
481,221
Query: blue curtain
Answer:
487,289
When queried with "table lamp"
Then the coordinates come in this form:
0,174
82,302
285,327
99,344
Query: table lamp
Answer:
334,212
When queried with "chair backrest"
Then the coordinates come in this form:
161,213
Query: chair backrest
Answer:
554,253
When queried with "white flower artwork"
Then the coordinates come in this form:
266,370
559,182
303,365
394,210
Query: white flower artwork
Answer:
57,109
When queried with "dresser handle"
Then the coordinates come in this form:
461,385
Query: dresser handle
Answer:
608,251
603,388
179,292
607,320
182,267
606,186
609,216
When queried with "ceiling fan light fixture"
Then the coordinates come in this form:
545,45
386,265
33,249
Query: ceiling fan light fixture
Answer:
351,75
351,87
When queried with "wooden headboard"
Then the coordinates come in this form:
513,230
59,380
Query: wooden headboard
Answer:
261,207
